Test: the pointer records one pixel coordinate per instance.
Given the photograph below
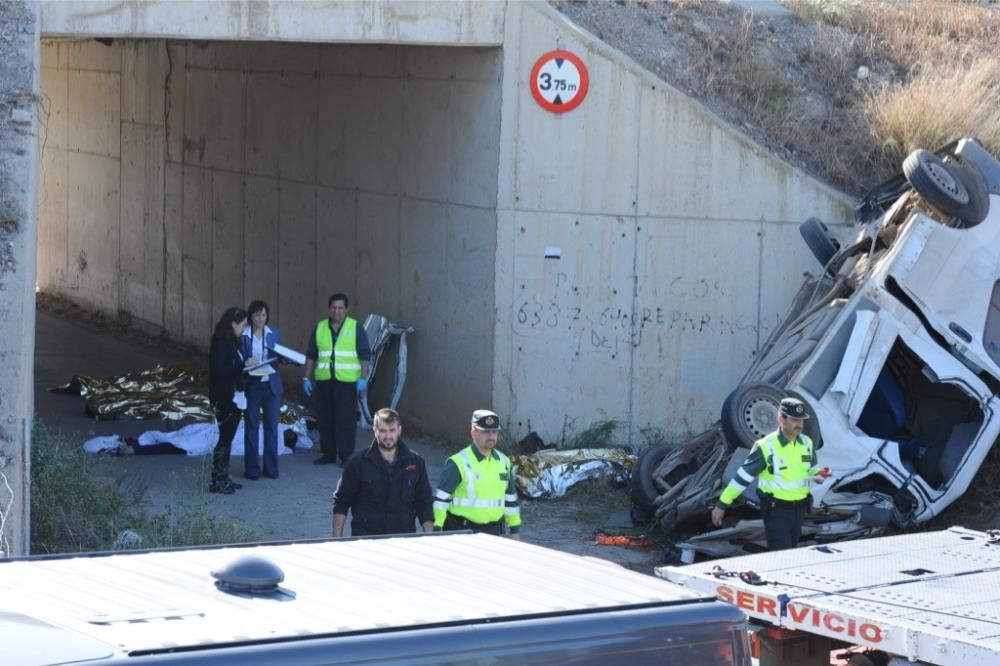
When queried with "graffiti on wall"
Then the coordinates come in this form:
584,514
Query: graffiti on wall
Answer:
615,327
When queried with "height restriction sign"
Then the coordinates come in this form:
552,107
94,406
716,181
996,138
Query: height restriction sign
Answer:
559,81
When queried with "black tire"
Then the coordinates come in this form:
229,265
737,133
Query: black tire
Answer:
935,181
975,183
818,239
751,412
643,490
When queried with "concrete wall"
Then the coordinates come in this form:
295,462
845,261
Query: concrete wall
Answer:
428,22
679,239
183,177
19,104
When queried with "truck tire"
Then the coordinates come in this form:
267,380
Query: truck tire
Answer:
818,240
975,183
935,181
751,412
643,490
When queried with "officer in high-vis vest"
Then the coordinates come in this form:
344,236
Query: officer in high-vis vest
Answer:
784,464
477,490
337,358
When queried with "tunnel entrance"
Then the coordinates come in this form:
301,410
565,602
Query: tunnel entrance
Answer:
181,177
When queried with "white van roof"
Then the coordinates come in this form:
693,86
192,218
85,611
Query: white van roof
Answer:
161,600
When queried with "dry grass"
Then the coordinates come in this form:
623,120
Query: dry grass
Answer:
760,85
928,31
935,77
936,106
793,84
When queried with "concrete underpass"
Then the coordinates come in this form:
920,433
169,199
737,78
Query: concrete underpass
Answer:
182,177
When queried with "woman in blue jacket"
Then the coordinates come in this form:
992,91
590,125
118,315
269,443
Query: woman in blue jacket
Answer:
264,391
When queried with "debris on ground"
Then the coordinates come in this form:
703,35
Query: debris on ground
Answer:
602,538
550,473
196,439
384,335
170,393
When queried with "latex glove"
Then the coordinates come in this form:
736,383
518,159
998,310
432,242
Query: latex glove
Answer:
822,475
362,385
307,386
717,515
240,400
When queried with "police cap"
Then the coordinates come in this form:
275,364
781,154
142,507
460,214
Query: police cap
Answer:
484,419
794,408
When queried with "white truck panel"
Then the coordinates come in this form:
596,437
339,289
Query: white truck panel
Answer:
933,596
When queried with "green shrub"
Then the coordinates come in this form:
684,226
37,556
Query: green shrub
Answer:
73,509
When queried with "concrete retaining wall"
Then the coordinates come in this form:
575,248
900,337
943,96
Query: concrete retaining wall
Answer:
679,241
183,178
180,178
19,122
427,22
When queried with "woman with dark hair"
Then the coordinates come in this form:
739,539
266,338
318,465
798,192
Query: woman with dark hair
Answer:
264,391
225,378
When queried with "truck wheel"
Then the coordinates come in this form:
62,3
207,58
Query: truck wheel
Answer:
975,184
751,412
935,181
818,240
643,490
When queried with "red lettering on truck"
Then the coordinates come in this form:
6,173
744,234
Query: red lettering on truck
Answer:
796,613
800,615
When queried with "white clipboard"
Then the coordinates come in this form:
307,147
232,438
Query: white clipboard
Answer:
262,369
289,354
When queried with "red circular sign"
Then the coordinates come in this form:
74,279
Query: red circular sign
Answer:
559,81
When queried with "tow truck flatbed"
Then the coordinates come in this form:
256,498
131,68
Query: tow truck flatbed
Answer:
931,597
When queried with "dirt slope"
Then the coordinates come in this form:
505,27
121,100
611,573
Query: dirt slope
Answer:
843,90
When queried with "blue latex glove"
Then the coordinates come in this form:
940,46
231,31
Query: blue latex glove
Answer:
362,385
307,386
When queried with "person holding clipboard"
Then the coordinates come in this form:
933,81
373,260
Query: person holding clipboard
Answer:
264,390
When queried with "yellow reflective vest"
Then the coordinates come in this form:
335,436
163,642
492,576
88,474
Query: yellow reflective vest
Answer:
481,496
789,467
343,355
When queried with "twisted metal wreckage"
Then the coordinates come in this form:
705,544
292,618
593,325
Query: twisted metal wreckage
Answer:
894,348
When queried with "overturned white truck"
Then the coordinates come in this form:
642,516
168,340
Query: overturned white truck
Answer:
895,348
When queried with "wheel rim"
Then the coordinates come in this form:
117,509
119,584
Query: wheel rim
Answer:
944,180
760,416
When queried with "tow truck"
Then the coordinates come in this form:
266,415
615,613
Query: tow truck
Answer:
909,599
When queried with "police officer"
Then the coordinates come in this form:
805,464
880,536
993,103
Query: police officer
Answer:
477,490
784,462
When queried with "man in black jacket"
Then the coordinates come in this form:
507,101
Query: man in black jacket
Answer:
385,487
